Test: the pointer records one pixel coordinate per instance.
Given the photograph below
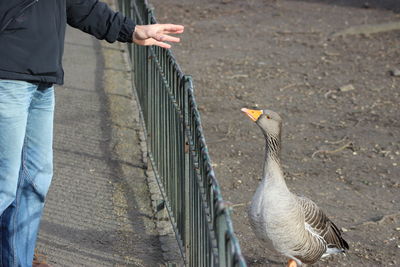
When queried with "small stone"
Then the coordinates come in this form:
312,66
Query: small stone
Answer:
366,5
346,88
344,230
238,96
226,1
395,72
164,248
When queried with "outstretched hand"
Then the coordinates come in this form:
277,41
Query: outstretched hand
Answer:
156,34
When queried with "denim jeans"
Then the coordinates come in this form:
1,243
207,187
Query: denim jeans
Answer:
26,166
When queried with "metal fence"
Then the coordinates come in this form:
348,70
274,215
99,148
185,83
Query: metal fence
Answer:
178,153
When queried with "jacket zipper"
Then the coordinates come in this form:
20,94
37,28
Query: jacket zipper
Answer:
18,14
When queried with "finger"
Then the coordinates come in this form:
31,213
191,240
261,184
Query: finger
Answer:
172,28
161,44
152,41
167,38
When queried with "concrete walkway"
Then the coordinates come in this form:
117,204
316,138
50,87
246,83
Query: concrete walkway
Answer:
98,211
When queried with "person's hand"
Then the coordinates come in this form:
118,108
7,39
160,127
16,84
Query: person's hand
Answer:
156,34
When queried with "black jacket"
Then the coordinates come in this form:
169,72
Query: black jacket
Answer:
32,34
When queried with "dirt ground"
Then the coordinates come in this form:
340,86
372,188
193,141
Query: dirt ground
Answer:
338,97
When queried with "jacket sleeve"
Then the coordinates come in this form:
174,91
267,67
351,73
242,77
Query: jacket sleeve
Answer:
96,18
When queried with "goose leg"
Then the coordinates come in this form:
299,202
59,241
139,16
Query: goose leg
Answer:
291,263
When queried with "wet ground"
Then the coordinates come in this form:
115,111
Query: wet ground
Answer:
338,96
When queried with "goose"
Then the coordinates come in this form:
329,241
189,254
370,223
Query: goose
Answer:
292,225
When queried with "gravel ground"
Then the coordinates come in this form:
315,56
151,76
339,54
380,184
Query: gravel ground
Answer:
339,99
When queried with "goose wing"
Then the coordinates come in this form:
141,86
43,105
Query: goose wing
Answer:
318,223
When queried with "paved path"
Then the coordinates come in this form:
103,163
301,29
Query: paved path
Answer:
98,209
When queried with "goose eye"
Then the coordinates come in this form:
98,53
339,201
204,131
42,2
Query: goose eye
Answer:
268,117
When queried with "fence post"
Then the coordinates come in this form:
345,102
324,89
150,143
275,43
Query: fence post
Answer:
187,85
147,81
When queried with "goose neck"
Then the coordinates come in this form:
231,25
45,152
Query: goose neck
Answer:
272,148
272,164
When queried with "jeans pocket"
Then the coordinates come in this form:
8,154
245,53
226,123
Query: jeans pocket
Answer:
15,97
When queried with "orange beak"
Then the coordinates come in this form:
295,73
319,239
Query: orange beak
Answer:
252,113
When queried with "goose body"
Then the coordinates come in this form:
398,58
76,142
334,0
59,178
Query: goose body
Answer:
292,225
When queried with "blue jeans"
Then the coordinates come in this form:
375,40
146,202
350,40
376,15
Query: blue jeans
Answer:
26,167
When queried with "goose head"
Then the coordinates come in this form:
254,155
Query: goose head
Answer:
269,121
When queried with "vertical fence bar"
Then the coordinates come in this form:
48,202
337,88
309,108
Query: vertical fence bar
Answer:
184,100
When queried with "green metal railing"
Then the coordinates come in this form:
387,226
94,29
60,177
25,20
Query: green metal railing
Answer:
178,153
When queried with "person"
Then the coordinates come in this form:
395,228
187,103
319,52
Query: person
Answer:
31,48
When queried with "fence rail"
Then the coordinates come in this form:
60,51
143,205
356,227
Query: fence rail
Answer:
178,153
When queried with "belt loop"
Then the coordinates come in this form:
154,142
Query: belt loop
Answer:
44,86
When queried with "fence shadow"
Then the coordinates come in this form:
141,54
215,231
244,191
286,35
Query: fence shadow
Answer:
392,5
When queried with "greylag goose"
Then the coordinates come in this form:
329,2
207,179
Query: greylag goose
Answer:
292,225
